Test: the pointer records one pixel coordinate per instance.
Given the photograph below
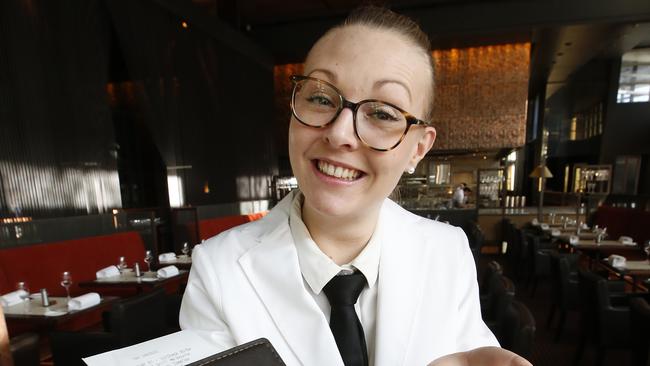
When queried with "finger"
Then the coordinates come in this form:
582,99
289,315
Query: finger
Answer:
484,356
493,356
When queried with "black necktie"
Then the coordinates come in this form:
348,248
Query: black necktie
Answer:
343,291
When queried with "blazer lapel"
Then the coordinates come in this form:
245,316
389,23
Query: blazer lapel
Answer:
273,270
399,292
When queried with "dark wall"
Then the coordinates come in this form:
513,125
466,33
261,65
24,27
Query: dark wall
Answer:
587,87
90,88
206,102
57,146
627,130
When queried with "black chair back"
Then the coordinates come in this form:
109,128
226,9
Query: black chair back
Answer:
492,269
640,324
139,318
497,301
568,282
25,350
518,330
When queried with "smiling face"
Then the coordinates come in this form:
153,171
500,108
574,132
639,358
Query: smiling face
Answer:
338,175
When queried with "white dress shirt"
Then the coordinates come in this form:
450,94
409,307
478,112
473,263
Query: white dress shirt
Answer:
318,269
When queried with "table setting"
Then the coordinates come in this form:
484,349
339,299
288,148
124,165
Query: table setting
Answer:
120,275
18,304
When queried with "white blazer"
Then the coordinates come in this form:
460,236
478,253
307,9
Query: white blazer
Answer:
246,283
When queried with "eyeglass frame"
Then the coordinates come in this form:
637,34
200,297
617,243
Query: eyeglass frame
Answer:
354,107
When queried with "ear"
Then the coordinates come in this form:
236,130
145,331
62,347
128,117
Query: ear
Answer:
424,145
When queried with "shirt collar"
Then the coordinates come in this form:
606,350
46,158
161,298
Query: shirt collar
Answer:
316,267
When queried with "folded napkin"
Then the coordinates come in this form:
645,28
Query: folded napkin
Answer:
555,232
616,260
12,298
167,257
110,271
573,239
84,301
626,240
167,272
544,226
535,222
584,226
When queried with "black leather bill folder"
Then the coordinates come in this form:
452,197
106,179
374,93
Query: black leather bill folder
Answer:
259,352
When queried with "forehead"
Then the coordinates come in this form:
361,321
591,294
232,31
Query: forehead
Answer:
362,55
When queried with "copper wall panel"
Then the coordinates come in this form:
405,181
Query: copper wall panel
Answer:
480,97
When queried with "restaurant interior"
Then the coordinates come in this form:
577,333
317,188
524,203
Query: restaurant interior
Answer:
132,131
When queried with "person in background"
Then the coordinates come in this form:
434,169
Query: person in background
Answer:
336,273
458,197
467,194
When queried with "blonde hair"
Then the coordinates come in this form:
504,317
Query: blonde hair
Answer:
385,19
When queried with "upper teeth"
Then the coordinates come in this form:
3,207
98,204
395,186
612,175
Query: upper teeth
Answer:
337,171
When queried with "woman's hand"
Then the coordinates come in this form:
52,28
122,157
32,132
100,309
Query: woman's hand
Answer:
484,356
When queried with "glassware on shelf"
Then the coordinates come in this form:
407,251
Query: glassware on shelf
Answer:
66,282
148,259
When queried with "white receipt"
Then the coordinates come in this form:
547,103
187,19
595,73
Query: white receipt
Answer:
175,349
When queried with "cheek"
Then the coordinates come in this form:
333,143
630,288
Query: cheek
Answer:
301,138
390,167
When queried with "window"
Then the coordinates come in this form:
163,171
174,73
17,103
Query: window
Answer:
634,80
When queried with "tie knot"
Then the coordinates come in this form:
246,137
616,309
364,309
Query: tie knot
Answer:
345,289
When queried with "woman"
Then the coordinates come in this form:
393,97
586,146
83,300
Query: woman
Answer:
336,273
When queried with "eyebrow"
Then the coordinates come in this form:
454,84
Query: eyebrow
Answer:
329,74
380,83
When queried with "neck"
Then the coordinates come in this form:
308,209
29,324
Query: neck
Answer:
340,238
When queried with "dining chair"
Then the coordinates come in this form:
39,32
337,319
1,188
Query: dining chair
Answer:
130,321
564,289
602,323
517,331
21,350
497,302
539,267
640,324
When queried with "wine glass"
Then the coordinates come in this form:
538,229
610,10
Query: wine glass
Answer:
121,265
646,249
186,249
148,258
24,294
66,282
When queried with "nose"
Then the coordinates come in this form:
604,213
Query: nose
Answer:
340,133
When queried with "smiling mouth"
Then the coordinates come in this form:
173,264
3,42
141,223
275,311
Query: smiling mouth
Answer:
339,172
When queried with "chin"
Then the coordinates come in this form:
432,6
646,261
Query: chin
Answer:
333,205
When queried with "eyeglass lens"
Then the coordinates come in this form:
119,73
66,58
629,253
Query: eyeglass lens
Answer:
379,125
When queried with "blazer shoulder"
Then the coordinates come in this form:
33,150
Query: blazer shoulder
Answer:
239,239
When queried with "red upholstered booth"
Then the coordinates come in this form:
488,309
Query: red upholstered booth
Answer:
41,265
211,227
624,221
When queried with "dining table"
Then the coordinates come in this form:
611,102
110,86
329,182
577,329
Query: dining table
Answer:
181,261
565,235
637,270
31,314
598,250
127,279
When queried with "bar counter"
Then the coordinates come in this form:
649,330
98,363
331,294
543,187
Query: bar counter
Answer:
490,219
